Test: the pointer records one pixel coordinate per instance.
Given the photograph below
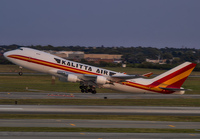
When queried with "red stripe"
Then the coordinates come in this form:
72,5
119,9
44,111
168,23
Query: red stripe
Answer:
149,86
156,83
132,84
53,65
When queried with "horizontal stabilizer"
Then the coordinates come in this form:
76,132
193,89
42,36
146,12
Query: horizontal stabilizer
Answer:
175,89
147,74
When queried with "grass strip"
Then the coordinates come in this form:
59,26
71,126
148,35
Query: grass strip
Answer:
103,117
15,83
106,102
105,130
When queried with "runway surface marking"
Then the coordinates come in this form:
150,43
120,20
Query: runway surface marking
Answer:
82,133
97,123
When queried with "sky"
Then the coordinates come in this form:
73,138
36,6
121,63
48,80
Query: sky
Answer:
146,23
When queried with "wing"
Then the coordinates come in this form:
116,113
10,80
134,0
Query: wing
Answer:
122,78
98,79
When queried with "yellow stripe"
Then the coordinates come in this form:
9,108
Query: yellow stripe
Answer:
176,78
52,64
136,85
164,84
19,57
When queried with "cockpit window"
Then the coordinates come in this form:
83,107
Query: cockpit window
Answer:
20,48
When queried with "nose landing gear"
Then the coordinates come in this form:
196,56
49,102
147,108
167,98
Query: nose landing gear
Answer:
20,73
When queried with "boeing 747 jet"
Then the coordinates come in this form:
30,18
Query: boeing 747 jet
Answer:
91,77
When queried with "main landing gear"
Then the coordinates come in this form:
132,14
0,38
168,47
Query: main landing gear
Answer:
86,89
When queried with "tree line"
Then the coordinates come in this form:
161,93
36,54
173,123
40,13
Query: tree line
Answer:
132,56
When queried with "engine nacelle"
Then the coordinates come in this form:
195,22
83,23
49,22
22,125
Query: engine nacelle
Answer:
70,78
101,80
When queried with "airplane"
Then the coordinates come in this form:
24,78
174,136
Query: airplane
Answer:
91,77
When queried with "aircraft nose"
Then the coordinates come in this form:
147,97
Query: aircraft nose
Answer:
5,54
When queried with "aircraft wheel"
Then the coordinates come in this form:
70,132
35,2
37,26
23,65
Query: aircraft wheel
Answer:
94,91
20,73
89,90
82,90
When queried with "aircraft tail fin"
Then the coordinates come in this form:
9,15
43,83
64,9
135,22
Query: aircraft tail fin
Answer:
175,77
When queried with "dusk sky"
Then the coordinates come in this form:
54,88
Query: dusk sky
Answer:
147,23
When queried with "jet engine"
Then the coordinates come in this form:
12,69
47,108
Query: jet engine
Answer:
70,78
101,80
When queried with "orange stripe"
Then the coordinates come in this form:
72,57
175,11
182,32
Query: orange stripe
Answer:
176,78
186,68
147,87
156,88
150,87
49,64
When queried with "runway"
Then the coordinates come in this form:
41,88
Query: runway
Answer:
96,110
102,110
61,95
97,123
89,135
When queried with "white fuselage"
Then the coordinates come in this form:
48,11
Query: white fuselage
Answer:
44,62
